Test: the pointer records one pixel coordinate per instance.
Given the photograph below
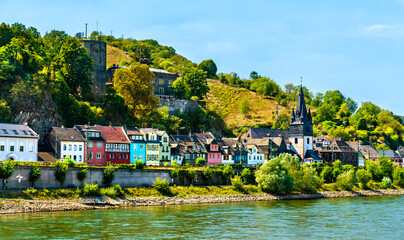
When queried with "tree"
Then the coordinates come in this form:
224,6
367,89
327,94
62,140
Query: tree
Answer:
109,175
209,67
6,171
208,173
288,87
135,85
82,174
35,175
200,162
76,67
245,106
195,79
273,177
180,89
228,172
247,176
363,178
254,75
346,180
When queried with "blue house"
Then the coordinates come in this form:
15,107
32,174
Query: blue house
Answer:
137,146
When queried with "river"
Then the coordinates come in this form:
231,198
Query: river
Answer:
339,218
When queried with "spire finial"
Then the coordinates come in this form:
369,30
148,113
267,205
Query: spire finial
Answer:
301,81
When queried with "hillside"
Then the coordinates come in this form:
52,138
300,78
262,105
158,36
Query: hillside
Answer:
116,56
225,100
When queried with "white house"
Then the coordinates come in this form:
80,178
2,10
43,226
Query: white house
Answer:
18,142
70,143
254,157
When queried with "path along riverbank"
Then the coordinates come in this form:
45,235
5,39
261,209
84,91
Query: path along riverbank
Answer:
12,206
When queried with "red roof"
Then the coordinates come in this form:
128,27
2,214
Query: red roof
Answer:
113,134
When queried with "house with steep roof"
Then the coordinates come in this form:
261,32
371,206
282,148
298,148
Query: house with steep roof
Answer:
185,149
214,153
67,142
339,150
393,155
158,149
257,149
239,151
137,145
117,147
95,144
18,142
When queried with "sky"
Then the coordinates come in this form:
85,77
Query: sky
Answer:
356,47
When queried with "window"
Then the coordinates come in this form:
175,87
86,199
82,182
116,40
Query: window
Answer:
161,81
161,90
2,148
64,147
98,155
92,156
134,156
90,144
135,147
70,147
99,144
74,157
21,148
80,159
295,140
164,139
308,140
113,156
75,148
141,147
141,156
80,148
11,148
120,156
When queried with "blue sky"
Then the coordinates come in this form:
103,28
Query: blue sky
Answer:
356,47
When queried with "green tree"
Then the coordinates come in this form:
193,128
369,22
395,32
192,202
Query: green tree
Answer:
209,67
6,171
76,67
196,82
254,75
81,175
135,85
35,175
273,177
109,175
326,174
208,173
363,178
247,176
200,162
180,89
346,180
228,172
386,166
245,106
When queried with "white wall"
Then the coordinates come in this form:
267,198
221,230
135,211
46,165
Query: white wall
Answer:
29,145
254,158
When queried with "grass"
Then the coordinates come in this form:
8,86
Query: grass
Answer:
225,100
116,55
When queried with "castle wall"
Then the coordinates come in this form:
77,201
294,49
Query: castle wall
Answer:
183,105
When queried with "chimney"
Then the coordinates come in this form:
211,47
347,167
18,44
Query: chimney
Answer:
110,125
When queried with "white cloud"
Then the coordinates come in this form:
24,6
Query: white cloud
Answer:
378,28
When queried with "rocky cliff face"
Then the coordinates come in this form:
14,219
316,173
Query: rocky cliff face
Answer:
40,114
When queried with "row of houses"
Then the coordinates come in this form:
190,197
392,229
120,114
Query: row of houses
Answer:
100,145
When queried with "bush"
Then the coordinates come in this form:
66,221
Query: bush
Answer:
90,190
346,180
162,186
82,174
247,176
398,176
228,172
386,182
200,162
273,177
6,170
139,164
60,173
363,178
376,185
208,173
109,175
237,183
35,174
113,192
191,174
70,162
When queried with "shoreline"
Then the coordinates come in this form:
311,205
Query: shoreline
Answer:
14,206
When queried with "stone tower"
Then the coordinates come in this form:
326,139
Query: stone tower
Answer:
99,76
301,128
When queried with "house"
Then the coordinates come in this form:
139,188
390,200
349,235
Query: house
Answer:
67,142
152,146
339,150
185,149
117,147
257,149
237,147
95,144
163,81
18,142
213,152
165,148
137,146
393,155
228,155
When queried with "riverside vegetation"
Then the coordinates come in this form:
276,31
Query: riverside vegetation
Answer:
281,175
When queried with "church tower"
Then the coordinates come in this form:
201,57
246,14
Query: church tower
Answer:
301,128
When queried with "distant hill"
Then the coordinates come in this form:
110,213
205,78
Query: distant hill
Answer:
116,56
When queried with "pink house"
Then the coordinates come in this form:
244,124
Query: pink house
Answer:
214,153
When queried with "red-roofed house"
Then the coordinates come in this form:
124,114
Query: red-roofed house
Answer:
117,147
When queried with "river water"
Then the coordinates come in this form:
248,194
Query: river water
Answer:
342,218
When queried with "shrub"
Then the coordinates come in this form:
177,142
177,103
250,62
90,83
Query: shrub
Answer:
273,177
139,164
174,173
363,178
35,174
109,192
398,176
69,162
60,173
191,174
6,170
208,173
247,176
305,179
237,183
90,190
174,163
109,175
162,186
326,174
82,174
200,162
118,189
346,180
375,185
386,182
228,172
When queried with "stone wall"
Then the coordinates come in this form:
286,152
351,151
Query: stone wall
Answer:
123,177
184,105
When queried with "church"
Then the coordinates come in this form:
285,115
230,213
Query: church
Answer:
299,137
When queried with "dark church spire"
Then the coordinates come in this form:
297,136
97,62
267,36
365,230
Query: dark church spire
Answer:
301,116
